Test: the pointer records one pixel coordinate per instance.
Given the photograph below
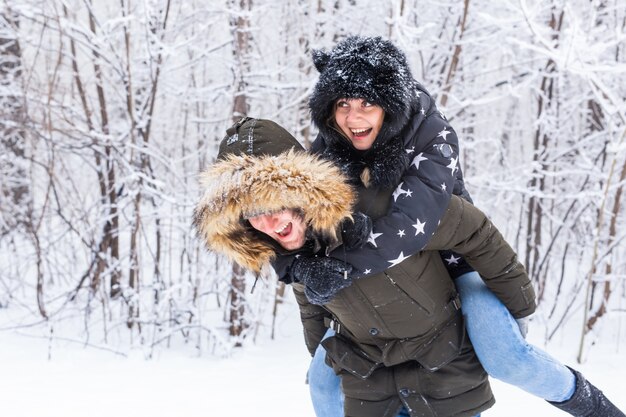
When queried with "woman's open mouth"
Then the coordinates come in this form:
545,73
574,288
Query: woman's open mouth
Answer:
360,133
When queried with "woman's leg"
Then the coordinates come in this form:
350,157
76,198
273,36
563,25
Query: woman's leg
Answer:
324,385
502,350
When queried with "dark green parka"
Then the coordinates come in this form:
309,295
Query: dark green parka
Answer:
401,334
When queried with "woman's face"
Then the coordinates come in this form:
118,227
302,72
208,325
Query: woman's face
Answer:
287,227
359,120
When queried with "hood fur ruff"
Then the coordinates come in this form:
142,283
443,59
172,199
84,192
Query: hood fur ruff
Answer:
242,186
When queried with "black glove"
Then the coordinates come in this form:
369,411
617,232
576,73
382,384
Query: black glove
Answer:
322,277
355,233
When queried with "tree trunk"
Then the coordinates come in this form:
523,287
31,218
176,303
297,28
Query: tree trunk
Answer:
454,61
106,250
240,26
14,187
534,224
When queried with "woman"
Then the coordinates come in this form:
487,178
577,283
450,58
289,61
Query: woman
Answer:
384,131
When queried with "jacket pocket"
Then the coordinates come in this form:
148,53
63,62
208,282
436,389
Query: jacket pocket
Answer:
400,279
444,347
362,378
345,356
459,378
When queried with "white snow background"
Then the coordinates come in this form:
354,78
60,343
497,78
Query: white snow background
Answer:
67,379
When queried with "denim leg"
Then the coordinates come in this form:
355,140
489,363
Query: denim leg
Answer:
324,385
502,350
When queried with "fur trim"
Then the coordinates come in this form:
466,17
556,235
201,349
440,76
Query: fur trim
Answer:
386,163
242,185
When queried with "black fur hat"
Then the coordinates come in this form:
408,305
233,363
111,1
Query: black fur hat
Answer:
364,67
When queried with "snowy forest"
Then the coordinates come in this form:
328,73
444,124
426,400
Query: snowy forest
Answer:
111,109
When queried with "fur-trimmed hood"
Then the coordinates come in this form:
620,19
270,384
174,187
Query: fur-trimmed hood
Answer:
241,186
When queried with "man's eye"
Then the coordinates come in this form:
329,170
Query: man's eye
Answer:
367,104
342,104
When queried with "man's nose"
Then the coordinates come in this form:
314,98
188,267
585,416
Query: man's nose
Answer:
269,222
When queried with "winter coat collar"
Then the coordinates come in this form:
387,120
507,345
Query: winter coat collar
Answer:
385,163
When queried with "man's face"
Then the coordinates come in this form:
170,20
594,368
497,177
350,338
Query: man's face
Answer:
287,227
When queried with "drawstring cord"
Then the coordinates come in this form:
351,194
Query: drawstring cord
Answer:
254,285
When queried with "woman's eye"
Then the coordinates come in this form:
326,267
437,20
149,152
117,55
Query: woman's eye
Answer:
367,104
342,104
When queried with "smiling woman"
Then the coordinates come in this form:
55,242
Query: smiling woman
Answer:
359,120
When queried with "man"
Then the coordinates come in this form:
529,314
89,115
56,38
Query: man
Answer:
400,340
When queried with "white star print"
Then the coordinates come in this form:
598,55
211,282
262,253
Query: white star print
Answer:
372,238
409,193
452,260
399,259
452,165
444,133
419,158
410,151
423,111
399,191
367,271
418,93
401,233
443,186
419,227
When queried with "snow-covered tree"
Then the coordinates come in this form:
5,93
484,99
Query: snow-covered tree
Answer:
110,109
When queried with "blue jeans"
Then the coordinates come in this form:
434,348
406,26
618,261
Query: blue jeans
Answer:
502,350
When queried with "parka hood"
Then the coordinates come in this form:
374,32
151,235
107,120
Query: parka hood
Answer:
240,186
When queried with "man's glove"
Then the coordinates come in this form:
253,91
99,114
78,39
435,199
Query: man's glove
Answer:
523,325
322,277
355,233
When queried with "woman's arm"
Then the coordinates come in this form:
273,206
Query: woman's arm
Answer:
417,204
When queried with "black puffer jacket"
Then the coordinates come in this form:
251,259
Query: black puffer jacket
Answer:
420,165
416,151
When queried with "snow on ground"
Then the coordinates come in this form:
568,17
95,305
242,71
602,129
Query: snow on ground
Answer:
263,380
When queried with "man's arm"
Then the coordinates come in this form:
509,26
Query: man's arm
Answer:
312,317
467,230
